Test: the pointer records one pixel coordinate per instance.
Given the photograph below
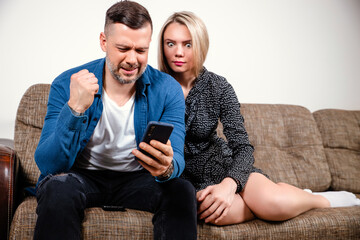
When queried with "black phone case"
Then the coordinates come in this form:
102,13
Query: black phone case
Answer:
113,208
158,131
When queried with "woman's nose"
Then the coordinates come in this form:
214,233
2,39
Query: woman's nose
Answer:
179,51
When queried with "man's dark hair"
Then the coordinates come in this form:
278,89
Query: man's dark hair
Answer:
128,13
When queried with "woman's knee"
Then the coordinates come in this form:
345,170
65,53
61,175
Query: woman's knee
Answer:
239,212
278,207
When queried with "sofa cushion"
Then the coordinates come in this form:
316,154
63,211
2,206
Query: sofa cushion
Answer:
340,131
288,145
330,223
29,122
97,224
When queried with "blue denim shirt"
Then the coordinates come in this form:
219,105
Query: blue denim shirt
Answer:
158,97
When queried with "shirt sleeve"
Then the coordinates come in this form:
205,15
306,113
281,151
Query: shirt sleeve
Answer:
174,113
61,134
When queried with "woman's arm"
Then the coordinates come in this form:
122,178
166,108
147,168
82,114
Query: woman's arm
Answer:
237,137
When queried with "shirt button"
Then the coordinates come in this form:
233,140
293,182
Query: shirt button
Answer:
95,119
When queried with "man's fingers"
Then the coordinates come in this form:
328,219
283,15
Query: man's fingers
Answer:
80,74
83,86
84,75
158,150
164,149
95,88
87,80
144,158
151,150
153,166
83,71
161,156
145,162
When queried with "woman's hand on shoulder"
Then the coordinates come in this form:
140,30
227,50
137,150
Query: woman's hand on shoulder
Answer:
216,200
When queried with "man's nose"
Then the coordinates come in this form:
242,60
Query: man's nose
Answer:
131,57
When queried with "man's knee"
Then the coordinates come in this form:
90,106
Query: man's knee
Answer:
182,192
61,200
186,187
60,188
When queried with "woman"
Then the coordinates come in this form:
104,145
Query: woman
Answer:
235,191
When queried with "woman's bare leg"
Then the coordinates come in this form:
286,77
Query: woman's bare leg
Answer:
239,212
278,201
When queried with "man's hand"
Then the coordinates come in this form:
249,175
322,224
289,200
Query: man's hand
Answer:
83,87
162,156
215,200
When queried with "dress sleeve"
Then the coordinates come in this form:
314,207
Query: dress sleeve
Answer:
237,137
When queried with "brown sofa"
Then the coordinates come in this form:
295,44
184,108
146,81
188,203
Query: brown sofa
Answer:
319,151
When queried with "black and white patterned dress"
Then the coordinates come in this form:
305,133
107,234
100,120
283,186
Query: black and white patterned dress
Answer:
209,158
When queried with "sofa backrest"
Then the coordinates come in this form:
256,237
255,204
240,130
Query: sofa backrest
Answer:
340,131
288,144
28,125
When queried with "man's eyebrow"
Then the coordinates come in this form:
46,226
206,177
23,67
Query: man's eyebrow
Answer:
128,47
122,46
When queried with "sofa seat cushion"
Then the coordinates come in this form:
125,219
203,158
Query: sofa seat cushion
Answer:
340,131
332,223
288,145
97,224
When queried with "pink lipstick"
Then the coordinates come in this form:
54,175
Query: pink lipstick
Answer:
179,63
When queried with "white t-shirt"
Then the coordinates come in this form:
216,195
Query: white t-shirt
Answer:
113,139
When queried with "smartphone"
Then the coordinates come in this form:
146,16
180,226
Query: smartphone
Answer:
113,208
157,131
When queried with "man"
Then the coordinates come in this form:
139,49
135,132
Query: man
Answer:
96,116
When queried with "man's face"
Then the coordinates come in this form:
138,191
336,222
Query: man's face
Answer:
126,51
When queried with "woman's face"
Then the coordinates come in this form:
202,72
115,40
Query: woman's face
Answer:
178,49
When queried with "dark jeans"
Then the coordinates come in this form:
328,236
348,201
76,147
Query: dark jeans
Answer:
63,198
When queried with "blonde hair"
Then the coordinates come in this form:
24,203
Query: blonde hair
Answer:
199,38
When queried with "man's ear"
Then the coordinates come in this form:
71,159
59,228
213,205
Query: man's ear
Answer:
103,42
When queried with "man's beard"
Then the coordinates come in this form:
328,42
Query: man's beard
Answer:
115,72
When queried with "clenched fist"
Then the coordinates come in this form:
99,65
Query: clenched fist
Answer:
83,87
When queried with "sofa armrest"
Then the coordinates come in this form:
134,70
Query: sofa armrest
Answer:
9,167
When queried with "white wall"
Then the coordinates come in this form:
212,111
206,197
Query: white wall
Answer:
304,52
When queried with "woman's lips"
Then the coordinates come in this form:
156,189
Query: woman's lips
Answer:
178,63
